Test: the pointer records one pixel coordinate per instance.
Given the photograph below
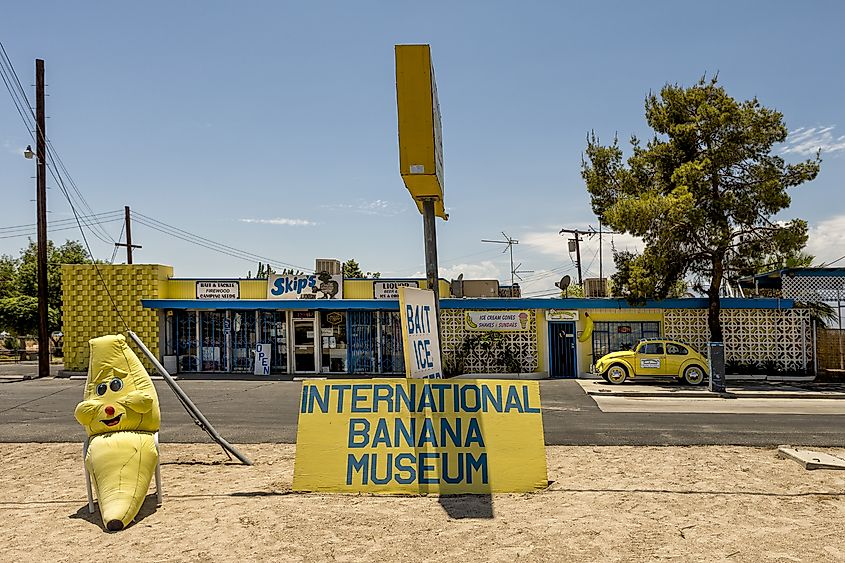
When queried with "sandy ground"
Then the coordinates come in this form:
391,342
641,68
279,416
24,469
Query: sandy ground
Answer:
605,504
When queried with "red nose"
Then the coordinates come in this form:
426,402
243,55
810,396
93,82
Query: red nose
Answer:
109,410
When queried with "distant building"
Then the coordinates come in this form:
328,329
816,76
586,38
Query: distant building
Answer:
322,324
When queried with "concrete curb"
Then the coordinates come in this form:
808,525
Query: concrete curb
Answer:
707,395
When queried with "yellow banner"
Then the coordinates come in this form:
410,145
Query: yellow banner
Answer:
395,436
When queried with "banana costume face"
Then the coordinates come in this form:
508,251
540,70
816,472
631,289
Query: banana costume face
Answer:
120,413
119,394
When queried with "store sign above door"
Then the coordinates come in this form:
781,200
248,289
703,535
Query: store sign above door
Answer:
390,289
498,321
218,290
315,286
561,315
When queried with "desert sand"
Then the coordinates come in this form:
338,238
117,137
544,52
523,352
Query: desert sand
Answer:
604,504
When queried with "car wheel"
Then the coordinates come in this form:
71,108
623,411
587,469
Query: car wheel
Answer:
616,374
694,375
604,376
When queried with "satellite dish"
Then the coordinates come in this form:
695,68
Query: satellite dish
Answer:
563,283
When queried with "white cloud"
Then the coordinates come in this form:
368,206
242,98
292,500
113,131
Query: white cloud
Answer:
282,221
827,239
379,207
806,141
10,148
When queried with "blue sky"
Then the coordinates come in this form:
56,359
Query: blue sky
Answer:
271,126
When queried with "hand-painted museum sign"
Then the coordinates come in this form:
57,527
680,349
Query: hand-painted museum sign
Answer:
417,437
315,286
390,289
561,315
218,290
497,320
420,333
650,363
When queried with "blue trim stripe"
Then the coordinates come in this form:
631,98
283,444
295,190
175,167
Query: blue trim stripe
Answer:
470,304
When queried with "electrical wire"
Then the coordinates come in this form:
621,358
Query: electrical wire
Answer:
193,238
103,217
587,269
51,230
119,237
50,154
21,101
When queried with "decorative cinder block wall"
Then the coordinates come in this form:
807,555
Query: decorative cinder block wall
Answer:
778,337
523,344
87,311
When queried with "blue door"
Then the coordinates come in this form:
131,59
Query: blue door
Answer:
562,350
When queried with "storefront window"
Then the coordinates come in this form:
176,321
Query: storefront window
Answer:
213,341
185,339
242,327
615,336
272,329
392,355
333,341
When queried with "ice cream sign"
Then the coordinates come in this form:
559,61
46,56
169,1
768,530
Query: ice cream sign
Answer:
500,321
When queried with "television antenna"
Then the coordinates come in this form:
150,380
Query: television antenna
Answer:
510,242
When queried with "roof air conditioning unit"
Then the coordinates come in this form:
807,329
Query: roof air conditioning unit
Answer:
328,265
595,287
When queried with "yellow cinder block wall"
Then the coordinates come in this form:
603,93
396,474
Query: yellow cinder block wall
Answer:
88,313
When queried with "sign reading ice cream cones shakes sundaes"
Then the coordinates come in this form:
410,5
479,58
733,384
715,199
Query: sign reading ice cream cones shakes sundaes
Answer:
499,321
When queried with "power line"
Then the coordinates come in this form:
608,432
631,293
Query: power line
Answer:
51,230
49,154
21,101
198,240
101,217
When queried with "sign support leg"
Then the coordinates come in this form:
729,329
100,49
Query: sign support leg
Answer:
430,235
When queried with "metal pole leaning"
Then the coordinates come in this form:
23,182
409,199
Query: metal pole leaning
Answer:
188,404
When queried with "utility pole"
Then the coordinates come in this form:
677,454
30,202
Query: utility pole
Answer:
577,234
129,246
510,242
41,210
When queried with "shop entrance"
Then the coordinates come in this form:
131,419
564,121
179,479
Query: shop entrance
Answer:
304,339
562,350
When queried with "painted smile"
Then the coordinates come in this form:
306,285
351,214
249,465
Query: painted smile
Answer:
112,421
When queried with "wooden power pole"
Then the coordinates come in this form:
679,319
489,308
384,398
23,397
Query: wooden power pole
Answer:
41,210
129,246
577,241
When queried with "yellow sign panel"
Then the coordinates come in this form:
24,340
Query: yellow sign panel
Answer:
393,436
420,133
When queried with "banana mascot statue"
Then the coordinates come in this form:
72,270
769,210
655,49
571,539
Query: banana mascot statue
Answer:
120,413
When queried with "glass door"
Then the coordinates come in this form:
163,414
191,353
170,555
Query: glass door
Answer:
272,326
304,336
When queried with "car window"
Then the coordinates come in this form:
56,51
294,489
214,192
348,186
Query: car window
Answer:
652,348
676,350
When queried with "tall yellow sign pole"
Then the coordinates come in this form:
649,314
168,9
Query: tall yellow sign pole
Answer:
421,146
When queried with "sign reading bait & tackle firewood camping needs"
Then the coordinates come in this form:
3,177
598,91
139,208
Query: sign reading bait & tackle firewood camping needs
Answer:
414,436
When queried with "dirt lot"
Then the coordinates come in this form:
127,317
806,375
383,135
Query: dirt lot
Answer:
605,504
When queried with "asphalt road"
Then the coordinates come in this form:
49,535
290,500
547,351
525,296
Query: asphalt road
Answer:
266,411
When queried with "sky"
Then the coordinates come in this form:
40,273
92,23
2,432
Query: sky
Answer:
271,127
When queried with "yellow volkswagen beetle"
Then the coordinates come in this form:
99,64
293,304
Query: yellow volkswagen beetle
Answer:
654,357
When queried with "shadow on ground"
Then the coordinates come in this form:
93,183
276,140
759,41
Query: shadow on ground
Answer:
149,507
468,506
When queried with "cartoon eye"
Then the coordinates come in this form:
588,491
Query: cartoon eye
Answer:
102,388
116,385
